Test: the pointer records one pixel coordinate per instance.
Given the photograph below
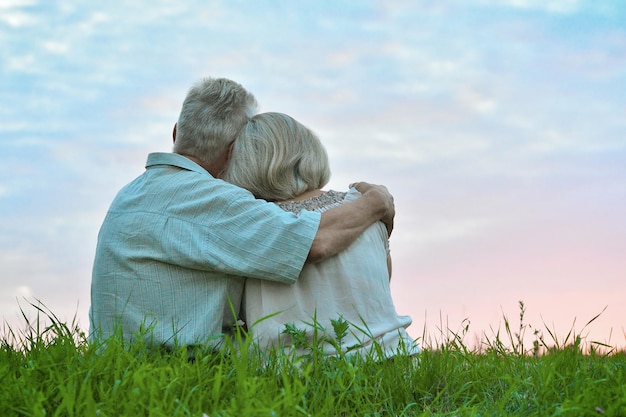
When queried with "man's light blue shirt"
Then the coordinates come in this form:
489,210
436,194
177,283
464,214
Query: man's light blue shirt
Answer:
175,245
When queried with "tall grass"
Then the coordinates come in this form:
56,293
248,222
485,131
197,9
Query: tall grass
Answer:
52,370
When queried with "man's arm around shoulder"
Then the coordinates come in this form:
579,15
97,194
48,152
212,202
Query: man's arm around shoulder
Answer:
340,226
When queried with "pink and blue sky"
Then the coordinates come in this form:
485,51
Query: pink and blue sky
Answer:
499,126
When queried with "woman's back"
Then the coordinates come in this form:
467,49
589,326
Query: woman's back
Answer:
353,286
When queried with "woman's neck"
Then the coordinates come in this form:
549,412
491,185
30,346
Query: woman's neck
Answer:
305,195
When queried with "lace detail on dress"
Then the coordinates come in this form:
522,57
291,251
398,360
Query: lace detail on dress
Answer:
321,203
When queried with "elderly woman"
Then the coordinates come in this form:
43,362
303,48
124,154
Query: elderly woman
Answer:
280,160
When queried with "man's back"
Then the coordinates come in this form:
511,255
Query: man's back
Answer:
170,256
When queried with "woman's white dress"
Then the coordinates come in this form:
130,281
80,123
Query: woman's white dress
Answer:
353,286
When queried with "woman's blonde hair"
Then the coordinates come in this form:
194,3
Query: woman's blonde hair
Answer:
277,158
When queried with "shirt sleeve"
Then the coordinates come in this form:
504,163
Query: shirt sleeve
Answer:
238,234
172,216
259,240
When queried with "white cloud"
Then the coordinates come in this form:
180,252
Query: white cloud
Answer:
56,47
17,19
9,4
22,63
551,6
12,16
477,101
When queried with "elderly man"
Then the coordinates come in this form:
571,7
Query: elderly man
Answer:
177,240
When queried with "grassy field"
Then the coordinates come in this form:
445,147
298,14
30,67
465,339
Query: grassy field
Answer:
51,370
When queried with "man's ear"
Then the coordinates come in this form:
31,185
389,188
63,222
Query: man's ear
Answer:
174,133
230,150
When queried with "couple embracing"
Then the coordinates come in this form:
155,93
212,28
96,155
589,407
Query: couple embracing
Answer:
233,226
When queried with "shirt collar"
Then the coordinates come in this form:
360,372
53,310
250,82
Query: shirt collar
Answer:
174,159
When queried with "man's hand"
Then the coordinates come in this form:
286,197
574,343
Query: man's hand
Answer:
342,225
379,195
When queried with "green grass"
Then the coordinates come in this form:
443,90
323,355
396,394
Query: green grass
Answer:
52,370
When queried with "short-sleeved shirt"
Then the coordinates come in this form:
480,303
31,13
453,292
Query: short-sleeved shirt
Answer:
174,248
352,285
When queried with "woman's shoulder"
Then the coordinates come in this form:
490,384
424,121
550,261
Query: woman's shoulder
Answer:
320,203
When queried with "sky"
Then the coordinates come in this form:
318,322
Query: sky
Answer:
498,126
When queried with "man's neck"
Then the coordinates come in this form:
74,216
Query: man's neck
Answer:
207,166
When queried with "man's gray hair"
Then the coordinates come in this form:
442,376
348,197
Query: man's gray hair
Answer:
212,114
